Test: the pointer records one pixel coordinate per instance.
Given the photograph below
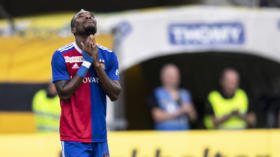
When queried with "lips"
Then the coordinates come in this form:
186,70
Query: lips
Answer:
89,21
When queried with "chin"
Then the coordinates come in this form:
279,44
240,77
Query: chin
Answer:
90,30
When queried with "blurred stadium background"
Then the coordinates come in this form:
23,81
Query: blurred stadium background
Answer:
146,35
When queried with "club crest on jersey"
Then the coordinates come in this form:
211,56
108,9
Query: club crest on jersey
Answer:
102,63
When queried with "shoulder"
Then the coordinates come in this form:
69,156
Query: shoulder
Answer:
158,89
241,92
160,92
58,54
213,93
184,91
106,51
103,48
66,48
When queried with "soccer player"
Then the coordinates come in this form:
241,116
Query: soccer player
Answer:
84,73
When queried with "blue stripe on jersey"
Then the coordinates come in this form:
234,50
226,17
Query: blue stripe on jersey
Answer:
66,47
98,110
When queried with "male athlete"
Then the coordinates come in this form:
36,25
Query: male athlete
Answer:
84,73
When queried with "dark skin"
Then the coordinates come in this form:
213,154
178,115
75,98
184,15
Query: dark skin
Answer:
87,43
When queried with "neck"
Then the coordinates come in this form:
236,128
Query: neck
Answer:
229,93
170,88
80,38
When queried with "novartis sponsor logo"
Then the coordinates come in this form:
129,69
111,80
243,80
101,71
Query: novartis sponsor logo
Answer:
91,80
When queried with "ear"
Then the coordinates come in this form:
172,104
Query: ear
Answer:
73,30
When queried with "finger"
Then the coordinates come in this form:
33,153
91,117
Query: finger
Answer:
82,44
91,39
94,44
87,41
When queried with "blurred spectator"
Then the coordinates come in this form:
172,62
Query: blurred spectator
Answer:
270,103
6,15
171,106
228,108
47,110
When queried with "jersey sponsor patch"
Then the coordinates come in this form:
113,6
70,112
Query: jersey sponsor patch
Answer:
91,80
75,59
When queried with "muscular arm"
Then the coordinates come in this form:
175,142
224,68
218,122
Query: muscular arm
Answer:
65,88
111,87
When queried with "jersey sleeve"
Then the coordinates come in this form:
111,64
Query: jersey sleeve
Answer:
113,71
59,69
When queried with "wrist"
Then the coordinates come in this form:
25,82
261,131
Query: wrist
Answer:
96,63
180,112
87,57
84,68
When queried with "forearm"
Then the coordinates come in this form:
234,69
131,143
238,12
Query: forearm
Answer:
218,121
111,88
192,115
243,117
66,88
160,115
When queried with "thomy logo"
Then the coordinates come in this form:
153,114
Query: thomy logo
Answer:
207,34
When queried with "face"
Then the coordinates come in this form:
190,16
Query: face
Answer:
230,81
85,24
170,76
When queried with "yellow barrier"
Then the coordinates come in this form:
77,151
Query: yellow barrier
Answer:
17,122
28,60
252,143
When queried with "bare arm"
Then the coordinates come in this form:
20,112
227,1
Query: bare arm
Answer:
65,88
111,87
160,115
217,121
249,118
191,113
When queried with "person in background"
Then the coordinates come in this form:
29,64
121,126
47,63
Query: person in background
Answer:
229,107
47,110
171,106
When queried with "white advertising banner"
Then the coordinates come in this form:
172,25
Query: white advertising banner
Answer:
144,35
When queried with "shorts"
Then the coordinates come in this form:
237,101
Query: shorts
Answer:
80,149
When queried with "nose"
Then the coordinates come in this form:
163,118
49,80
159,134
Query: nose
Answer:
88,17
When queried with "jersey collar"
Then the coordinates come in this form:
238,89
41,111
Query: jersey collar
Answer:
77,47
